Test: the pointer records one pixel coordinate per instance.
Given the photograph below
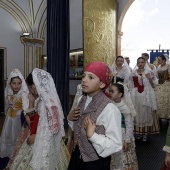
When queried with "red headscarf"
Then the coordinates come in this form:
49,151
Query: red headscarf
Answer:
101,70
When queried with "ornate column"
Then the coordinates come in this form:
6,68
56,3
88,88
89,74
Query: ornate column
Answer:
32,54
99,28
119,37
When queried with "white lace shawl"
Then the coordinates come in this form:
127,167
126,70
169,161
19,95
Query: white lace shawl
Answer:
149,97
128,101
124,73
79,93
23,92
164,68
46,150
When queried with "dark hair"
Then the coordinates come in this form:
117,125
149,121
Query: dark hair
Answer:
162,57
119,87
119,57
145,54
141,58
17,77
29,80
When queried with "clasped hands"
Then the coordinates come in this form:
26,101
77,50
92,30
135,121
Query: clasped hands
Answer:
89,126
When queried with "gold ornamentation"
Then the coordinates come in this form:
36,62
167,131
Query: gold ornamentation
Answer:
99,31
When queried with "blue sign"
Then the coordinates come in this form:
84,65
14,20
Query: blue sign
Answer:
155,54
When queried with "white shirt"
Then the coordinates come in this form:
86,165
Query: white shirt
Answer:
125,110
111,142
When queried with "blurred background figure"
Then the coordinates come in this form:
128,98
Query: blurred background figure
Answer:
128,62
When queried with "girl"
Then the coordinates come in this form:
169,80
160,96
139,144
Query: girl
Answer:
16,100
42,149
162,90
143,98
126,160
121,72
96,122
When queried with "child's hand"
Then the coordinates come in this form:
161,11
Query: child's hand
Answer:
27,118
31,139
125,147
74,114
89,127
167,160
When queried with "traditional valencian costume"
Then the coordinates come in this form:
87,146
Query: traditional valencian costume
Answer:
94,153
162,91
125,160
14,105
123,77
144,101
48,151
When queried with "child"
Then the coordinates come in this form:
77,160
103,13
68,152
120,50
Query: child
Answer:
121,73
143,98
127,159
96,122
16,100
43,148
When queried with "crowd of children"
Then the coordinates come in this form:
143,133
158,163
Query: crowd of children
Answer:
111,105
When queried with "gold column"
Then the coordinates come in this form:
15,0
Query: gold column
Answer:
99,28
32,53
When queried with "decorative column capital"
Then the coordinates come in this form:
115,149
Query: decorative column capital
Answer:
33,41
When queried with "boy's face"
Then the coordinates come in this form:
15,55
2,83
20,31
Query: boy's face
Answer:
114,93
33,90
91,84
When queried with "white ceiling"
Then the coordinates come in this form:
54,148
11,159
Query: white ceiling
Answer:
29,14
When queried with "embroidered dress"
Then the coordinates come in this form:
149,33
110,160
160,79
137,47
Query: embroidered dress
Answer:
162,91
14,105
125,160
48,151
143,98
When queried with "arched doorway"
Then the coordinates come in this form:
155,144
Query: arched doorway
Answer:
123,8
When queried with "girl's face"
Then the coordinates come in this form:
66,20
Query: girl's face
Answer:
119,62
33,90
114,93
141,63
160,61
15,84
91,84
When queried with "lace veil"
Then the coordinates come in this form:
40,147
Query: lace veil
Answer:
46,149
167,59
126,72
125,64
147,70
9,91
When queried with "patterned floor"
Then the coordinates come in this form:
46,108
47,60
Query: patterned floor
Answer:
150,154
